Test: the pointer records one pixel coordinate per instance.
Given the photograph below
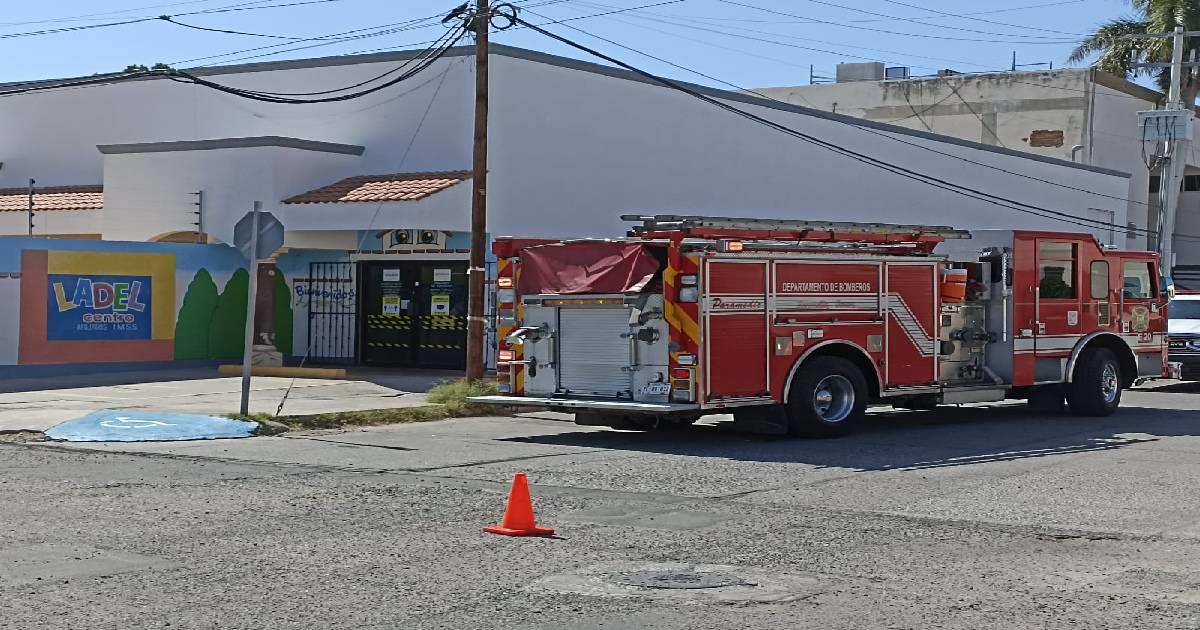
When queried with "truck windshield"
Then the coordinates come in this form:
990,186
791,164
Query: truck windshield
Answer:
1183,309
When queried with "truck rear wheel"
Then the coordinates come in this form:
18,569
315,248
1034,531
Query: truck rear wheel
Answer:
1095,389
828,398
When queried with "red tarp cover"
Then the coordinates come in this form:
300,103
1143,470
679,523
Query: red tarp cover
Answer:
585,267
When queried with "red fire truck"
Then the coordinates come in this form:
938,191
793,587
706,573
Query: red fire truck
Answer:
796,326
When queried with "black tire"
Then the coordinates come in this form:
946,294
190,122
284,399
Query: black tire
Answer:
1046,399
828,398
1095,389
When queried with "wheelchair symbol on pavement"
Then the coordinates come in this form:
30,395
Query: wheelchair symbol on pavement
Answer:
125,422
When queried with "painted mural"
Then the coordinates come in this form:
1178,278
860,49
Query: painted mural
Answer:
119,302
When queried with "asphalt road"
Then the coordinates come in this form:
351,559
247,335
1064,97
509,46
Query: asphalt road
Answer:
961,518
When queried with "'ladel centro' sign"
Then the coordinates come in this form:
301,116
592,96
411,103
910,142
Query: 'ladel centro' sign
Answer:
98,307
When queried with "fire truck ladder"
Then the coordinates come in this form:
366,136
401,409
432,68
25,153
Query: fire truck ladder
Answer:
734,225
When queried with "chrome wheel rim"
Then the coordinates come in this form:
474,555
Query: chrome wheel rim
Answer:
1110,383
833,398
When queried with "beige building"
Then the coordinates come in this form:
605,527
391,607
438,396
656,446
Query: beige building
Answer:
1077,114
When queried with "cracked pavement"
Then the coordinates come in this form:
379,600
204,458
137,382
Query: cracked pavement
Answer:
962,518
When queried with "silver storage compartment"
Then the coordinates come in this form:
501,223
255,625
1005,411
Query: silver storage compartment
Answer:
594,351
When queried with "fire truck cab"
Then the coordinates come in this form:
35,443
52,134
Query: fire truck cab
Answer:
796,326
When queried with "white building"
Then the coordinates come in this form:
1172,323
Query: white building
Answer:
1077,114
572,146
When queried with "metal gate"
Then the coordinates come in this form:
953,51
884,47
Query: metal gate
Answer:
332,312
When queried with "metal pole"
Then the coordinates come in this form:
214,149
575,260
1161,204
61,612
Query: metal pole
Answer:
1171,175
251,298
200,238
478,197
31,183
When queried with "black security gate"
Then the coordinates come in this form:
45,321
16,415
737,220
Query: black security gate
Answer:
332,312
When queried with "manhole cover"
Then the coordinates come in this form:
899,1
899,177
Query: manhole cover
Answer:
685,579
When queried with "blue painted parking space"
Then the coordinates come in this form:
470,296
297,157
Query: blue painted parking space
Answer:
148,426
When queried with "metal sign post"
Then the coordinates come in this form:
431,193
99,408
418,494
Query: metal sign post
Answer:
251,299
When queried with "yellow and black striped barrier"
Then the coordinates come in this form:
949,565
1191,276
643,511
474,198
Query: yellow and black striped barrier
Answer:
383,344
444,322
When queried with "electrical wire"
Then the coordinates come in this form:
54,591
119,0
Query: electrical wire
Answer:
408,149
860,157
170,20
863,21
915,113
710,29
423,60
324,40
72,29
885,31
865,128
427,59
990,129
85,27
436,43
965,16
943,26
659,18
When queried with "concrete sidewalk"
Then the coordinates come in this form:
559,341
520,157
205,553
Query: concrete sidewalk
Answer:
42,408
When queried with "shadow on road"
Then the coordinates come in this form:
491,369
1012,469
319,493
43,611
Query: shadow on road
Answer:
909,440
403,379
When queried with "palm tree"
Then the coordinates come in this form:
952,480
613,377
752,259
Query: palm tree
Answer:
1117,55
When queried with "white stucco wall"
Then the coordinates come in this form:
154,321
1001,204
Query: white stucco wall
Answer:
1100,119
597,147
570,151
150,194
56,222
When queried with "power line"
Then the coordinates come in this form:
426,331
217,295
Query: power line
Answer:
879,163
967,16
106,14
914,21
168,19
710,29
880,30
324,40
427,58
335,38
868,129
422,60
85,27
989,129
901,54
864,21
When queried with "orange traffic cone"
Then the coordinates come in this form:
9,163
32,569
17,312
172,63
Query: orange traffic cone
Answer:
518,514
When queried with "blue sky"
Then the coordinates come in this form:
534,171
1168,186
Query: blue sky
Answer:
746,42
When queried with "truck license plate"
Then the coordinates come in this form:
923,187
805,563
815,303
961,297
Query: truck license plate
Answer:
656,389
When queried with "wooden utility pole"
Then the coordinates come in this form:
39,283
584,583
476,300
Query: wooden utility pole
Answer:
475,275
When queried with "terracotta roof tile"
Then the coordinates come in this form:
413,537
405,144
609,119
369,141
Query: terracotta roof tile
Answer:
373,188
52,198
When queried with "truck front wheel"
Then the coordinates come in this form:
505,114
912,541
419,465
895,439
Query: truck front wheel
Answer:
828,398
1095,389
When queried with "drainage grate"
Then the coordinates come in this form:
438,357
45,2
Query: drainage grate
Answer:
678,579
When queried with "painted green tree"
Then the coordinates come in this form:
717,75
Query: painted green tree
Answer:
227,330
195,315
283,314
